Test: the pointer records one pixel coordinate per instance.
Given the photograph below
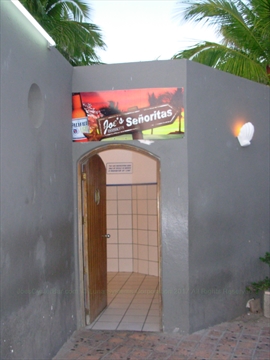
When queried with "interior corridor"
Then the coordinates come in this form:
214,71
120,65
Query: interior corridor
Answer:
133,303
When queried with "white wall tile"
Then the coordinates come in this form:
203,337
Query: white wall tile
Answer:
134,206
132,223
111,192
152,222
112,222
135,236
143,266
125,236
152,191
142,222
125,251
126,265
135,265
111,207
143,252
153,253
143,237
124,192
153,268
152,207
134,192
124,207
112,251
124,221
135,251
112,265
153,238
142,207
142,192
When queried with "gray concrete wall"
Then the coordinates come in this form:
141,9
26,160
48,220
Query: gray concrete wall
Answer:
173,159
214,194
37,255
228,192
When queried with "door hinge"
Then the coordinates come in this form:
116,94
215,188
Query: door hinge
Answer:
84,176
83,220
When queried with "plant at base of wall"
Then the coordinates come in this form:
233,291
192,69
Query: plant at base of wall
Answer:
263,285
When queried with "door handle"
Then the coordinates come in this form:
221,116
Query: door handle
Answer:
97,196
106,235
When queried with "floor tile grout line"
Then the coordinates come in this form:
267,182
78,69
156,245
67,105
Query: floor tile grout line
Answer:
120,288
217,343
150,305
223,335
143,278
126,282
150,308
237,343
256,346
102,313
129,305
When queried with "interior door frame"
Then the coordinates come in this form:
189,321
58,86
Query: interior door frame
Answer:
80,240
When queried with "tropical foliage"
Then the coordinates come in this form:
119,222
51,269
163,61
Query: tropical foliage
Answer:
67,23
244,29
261,285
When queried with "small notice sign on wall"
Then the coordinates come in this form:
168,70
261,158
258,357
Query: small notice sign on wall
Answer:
119,168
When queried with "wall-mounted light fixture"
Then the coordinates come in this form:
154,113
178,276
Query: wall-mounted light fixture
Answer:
23,10
246,134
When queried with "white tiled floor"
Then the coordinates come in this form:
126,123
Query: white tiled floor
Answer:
133,303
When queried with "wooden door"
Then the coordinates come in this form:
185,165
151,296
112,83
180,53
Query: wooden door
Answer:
95,246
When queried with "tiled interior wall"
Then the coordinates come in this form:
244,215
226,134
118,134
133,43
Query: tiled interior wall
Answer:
132,223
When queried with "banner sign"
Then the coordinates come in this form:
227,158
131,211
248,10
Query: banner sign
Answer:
151,114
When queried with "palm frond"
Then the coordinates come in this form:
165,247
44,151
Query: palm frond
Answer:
244,26
66,21
76,10
226,59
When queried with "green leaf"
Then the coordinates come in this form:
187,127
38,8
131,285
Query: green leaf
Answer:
67,22
244,28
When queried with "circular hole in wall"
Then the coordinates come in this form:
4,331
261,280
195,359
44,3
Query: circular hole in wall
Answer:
35,105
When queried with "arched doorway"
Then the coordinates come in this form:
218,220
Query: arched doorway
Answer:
133,250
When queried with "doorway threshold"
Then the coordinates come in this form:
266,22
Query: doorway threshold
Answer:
133,303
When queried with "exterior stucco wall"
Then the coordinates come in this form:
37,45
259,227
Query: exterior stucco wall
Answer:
173,159
214,204
228,192
37,257
214,194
